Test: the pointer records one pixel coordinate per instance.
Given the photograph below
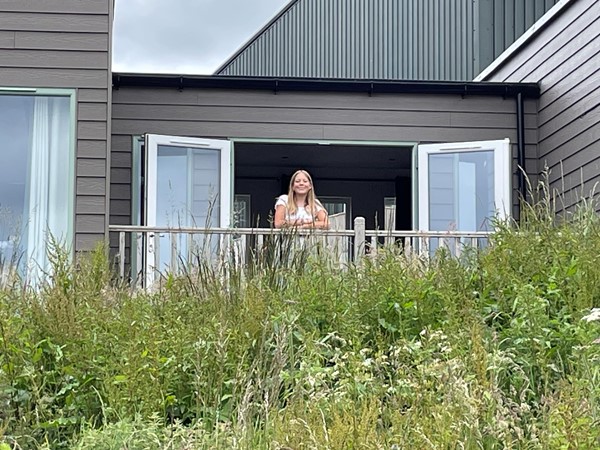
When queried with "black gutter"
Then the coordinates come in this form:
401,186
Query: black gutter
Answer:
521,147
526,90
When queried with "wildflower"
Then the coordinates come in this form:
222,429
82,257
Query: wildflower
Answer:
593,315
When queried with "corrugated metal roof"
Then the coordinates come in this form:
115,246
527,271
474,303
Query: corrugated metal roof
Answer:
385,39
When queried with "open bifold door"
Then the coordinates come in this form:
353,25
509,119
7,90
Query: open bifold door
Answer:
463,186
187,184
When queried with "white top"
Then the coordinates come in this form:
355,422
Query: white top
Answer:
301,213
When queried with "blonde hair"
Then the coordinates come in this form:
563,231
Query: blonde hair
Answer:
311,202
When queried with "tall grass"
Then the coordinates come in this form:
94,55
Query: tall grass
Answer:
486,352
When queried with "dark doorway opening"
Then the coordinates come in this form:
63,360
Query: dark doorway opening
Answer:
365,174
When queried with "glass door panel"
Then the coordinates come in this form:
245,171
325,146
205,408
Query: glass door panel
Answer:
188,184
463,186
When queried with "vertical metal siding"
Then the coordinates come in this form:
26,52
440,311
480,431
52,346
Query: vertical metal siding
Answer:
387,39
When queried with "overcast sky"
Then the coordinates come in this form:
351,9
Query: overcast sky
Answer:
184,36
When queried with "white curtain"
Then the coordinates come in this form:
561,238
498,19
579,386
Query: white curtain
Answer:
49,180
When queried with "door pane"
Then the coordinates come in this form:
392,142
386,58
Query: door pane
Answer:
187,184
461,191
187,195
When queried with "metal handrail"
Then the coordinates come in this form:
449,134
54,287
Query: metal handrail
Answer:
360,238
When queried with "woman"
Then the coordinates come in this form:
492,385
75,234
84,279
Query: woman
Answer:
300,208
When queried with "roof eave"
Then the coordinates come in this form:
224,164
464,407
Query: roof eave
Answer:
529,90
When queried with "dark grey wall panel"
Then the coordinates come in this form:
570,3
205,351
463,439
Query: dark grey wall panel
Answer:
301,100
65,44
385,39
101,7
61,41
91,168
7,39
25,21
90,204
57,78
53,59
563,58
92,111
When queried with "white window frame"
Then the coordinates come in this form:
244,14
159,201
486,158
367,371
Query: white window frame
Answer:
502,174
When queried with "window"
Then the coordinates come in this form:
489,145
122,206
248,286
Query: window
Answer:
241,211
389,210
339,210
36,177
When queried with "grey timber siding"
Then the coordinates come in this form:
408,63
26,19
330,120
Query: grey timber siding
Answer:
385,39
66,44
564,57
221,113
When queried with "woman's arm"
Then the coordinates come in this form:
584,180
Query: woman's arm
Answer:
280,216
321,221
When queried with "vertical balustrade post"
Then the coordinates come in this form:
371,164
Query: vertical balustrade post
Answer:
359,239
174,253
122,254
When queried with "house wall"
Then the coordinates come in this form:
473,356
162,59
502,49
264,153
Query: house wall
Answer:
221,113
563,58
66,44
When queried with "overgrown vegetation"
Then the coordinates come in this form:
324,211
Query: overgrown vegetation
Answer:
494,351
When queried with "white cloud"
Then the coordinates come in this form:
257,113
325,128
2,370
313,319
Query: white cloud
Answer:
184,36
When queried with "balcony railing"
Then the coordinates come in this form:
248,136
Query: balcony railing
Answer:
146,253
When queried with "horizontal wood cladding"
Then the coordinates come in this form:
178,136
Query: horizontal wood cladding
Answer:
92,111
61,41
91,186
319,131
67,22
88,241
93,95
120,175
56,78
91,167
419,118
53,59
91,149
89,223
323,116
92,130
120,208
90,204
58,6
120,191
120,159
7,39
316,100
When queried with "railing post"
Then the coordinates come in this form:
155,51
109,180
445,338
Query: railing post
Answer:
122,254
359,239
174,253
